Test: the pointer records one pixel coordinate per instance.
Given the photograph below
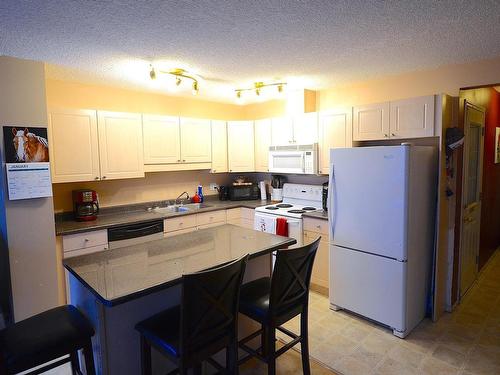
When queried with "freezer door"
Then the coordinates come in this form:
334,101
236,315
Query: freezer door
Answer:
369,285
368,199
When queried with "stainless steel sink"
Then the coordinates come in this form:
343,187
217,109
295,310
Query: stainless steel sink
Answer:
179,208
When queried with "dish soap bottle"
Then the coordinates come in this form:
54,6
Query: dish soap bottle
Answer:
200,193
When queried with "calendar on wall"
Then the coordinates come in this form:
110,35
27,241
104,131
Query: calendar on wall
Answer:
27,162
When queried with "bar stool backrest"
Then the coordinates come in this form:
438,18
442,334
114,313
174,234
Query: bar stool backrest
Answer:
209,307
291,278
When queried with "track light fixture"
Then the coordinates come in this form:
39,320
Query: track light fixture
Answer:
258,87
179,75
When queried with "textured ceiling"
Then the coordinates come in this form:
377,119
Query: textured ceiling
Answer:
316,44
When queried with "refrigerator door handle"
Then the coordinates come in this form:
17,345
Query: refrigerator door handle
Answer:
331,205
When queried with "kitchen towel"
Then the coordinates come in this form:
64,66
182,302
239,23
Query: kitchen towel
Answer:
281,227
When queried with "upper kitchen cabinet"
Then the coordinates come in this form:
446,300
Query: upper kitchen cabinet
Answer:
120,145
219,147
305,128
196,141
299,129
162,141
371,122
240,145
282,131
335,131
73,141
412,118
262,143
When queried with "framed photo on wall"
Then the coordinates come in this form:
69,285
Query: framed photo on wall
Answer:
497,145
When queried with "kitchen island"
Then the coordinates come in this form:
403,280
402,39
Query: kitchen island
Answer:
118,288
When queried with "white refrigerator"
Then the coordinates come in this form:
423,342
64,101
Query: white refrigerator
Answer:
382,208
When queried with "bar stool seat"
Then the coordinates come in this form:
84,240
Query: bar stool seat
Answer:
163,330
45,337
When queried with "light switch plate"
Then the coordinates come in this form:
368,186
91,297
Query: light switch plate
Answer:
213,186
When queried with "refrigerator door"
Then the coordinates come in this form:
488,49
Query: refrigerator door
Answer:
368,199
369,285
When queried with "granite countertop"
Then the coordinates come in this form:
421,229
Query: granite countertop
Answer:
316,215
155,265
115,216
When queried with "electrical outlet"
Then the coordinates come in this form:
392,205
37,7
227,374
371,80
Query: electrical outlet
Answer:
213,186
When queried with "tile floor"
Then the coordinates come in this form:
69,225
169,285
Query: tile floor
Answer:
465,342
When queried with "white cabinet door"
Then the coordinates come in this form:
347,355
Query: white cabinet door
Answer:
161,139
262,143
73,145
196,141
412,118
335,128
120,145
371,122
282,131
240,138
219,147
305,128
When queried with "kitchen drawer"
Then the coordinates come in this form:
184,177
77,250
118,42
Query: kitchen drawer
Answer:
247,213
180,231
85,240
316,225
211,217
88,250
210,225
233,214
177,223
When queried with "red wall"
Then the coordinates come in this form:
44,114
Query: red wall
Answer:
490,210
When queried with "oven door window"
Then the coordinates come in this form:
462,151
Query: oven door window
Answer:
291,162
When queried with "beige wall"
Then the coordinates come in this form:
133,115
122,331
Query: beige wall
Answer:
447,79
80,95
155,186
30,222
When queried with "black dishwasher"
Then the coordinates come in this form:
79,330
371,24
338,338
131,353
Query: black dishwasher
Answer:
133,234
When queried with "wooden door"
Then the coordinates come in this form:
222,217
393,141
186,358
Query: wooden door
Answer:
241,153
471,198
120,145
371,122
162,143
282,131
412,118
196,141
335,128
262,143
219,147
305,128
73,145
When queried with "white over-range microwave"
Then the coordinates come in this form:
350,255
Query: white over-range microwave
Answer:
297,159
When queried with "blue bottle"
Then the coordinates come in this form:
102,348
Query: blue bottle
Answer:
200,193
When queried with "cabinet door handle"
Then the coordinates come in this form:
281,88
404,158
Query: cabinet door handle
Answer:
386,135
183,160
178,160
103,177
213,171
96,178
393,135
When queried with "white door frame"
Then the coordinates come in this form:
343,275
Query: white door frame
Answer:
463,208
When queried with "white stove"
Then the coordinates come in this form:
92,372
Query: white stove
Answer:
297,200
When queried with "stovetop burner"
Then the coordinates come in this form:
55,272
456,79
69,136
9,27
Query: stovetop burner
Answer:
272,208
309,208
284,205
296,211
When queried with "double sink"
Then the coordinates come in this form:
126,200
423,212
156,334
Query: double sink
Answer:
179,208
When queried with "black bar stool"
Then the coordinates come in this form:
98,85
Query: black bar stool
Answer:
205,322
45,337
274,301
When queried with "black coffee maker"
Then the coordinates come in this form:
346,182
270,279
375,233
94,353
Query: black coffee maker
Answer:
223,193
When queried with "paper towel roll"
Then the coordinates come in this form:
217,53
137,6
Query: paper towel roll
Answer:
263,193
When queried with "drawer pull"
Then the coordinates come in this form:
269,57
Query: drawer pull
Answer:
318,226
86,240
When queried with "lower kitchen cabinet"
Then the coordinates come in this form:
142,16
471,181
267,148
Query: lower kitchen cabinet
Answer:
320,274
242,217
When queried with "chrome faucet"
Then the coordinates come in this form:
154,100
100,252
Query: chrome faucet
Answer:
177,199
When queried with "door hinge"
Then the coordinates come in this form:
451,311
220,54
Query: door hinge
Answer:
477,259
